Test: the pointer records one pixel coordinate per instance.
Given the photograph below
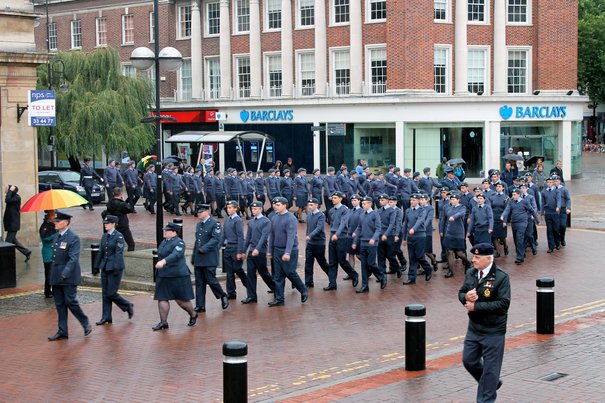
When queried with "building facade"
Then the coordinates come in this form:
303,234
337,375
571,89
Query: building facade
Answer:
402,83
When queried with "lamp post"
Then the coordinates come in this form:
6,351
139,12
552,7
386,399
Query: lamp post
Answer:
595,127
168,59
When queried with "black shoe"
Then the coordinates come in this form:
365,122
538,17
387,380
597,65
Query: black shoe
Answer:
449,274
192,320
160,326
224,302
563,243
48,295
550,251
399,273
383,282
330,288
409,282
428,275
346,277
270,291
200,309
310,285
28,256
103,321
249,300
91,208
276,303
355,281
506,251
519,261
558,247
57,336
534,251
87,330
499,384
130,311
362,290
232,296
304,297
420,272
435,268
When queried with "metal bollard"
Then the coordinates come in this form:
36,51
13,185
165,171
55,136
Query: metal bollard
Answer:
415,337
545,305
235,372
94,251
179,222
155,259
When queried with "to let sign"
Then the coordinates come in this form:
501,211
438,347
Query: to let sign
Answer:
41,107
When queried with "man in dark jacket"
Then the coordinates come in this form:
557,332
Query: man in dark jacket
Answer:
12,219
87,180
118,207
486,296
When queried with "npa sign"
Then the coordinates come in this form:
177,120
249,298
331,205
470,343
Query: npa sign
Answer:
41,106
533,112
271,115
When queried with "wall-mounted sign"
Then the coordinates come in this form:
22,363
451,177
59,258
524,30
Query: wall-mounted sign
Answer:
41,106
271,115
533,112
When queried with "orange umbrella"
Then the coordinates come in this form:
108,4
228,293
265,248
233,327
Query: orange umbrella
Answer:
53,199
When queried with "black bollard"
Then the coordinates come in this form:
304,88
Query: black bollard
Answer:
545,305
235,372
415,337
94,251
154,253
179,222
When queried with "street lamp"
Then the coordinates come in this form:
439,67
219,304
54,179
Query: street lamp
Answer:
168,59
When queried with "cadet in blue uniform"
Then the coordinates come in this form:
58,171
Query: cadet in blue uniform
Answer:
518,211
425,203
339,242
204,258
426,183
150,181
233,235
329,187
272,184
551,210
316,185
199,190
486,296
481,221
498,200
87,180
414,234
110,261
65,275
405,188
190,191
257,238
208,180
454,237
316,243
283,250
353,221
398,240
386,243
530,240
301,192
177,185
365,238
131,182
259,187
565,210
173,280
112,178
219,193
286,186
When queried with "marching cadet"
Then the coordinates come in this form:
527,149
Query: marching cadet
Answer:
342,185
450,180
87,177
167,178
316,185
259,187
286,186
426,182
405,188
565,211
486,185
365,238
272,184
301,192
150,181
233,236
398,232
498,201
518,211
353,221
444,204
233,186
219,193
205,258
208,180
414,234
177,185
551,210
247,195
200,197
190,191
257,238
329,187
425,203
465,200
367,183
339,242
112,178
386,244
451,227
131,182
481,222
391,178
316,244
377,188
530,240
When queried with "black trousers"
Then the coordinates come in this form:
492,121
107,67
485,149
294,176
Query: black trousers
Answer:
110,284
233,267
257,264
386,251
88,190
133,195
127,237
206,275
338,256
11,237
66,298
313,253
47,287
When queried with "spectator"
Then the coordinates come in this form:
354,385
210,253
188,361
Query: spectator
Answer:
12,219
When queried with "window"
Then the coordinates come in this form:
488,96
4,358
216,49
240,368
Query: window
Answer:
127,29
101,24
342,72
243,76
377,10
185,80
441,8
213,14
378,70
440,70
517,71
274,76
476,70
184,22
517,11
151,27
214,77
273,14
476,10
306,66
306,13
76,34
242,15
52,36
340,11
128,70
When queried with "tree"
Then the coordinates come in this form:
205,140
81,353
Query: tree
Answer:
102,108
591,49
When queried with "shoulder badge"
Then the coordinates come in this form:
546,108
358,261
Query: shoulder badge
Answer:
487,293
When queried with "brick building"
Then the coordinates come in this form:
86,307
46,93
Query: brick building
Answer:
412,81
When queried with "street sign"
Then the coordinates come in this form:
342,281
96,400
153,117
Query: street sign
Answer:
41,106
318,128
336,129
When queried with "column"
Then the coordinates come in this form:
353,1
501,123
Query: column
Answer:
256,61
196,51
316,147
356,56
564,129
321,48
400,144
491,146
500,47
287,49
460,48
225,51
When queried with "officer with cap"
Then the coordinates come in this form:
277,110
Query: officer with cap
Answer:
414,233
65,275
486,296
481,221
386,243
316,243
551,210
205,258
110,261
257,238
518,211
329,187
87,180
286,186
233,235
112,178
219,193
301,192
365,238
339,242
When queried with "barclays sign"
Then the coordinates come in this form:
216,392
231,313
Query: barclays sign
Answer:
533,112
272,115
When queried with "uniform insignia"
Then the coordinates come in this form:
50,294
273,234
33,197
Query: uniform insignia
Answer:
476,251
487,293
217,229
63,245
489,284
178,248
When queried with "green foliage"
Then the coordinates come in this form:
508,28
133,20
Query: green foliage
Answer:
591,49
101,110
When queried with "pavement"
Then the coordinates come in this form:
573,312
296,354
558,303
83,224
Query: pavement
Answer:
339,346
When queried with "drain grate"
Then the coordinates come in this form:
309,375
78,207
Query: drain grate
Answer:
552,377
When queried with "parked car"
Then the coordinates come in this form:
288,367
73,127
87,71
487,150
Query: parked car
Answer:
68,180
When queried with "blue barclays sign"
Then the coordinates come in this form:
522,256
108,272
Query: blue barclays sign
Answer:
533,112
271,115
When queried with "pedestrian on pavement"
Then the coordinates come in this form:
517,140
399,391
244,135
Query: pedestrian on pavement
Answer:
12,219
173,280
205,258
110,261
316,243
233,236
283,250
47,233
65,276
365,238
558,171
87,180
486,296
118,207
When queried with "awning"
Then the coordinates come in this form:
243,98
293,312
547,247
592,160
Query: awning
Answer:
218,137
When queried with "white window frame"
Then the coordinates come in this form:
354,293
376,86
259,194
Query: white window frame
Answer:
74,35
185,94
486,14
333,13
528,77
242,93
369,18
486,63
528,15
266,15
271,92
207,18
151,30
448,12
52,36
100,34
183,24
212,93
128,70
333,52
125,19
299,72
236,17
448,68
372,90
299,24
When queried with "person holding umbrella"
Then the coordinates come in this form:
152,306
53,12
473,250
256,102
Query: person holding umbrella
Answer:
47,233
